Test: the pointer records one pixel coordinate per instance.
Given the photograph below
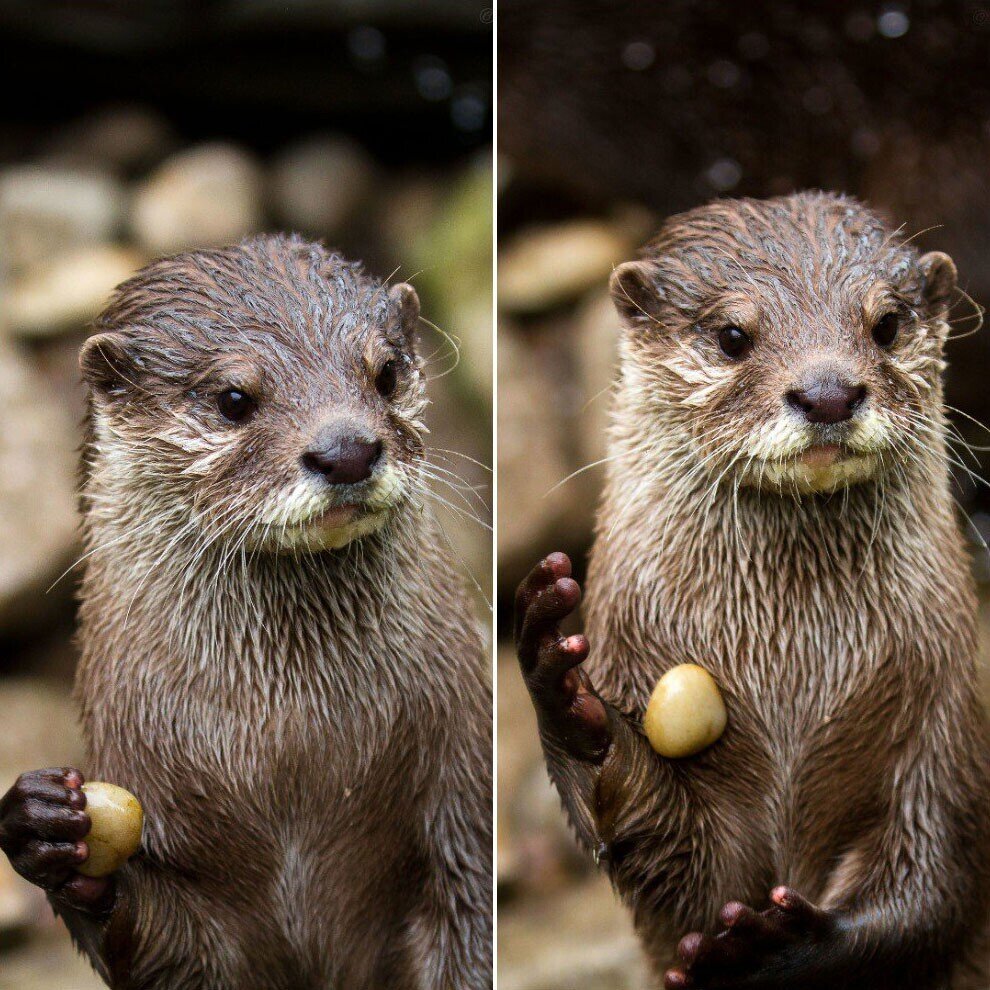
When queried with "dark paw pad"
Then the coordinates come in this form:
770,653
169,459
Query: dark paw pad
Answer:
755,948
43,825
566,703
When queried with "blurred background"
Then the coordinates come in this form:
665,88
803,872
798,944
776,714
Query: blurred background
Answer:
133,130
612,116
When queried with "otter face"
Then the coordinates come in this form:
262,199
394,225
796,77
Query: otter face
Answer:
268,395
793,344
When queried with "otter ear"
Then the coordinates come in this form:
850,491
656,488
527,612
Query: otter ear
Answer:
939,273
636,293
108,366
406,304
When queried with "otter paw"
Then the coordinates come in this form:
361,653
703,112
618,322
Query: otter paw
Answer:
43,826
568,708
764,949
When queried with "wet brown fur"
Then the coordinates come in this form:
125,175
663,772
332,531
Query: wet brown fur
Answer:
840,627
309,732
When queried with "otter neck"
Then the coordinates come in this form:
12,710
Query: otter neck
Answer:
233,618
767,584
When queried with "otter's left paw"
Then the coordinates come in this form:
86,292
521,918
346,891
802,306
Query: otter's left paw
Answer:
764,949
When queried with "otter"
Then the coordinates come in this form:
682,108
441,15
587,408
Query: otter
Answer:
276,656
777,509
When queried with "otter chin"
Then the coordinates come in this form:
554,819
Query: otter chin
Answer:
331,529
818,469
305,521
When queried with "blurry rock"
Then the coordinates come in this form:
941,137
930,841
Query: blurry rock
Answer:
458,449
596,349
518,754
40,727
20,902
208,195
48,963
407,206
317,185
531,455
37,492
546,845
47,210
537,851
69,292
546,266
450,261
122,139
579,940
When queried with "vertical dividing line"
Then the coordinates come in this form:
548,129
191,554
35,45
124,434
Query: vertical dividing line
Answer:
495,481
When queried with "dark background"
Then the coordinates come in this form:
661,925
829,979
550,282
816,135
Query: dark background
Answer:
259,72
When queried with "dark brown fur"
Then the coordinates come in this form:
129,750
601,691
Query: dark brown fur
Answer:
839,624
308,729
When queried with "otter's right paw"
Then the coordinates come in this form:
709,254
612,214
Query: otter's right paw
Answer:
42,827
569,710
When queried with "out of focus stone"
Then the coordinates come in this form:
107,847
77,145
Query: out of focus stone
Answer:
48,963
40,727
120,139
531,453
452,256
547,266
69,292
578,940
45,210
596,348
319,184
205,196
537,851
37,491
407,206
20,903
458,451
518,754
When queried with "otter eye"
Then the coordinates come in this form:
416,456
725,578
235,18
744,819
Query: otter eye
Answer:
388,379
734,342
235,405
885,330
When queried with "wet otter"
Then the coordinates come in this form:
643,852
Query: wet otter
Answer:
276,656
777,510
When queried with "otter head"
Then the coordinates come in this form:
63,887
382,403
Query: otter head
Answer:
267,394
792,344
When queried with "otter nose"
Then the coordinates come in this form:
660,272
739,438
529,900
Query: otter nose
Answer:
344,460
827,400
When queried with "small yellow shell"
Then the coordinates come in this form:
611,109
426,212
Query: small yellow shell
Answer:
686,713
117,820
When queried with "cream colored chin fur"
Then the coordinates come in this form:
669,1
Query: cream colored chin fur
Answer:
774,456
314,538
793,476
289,523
